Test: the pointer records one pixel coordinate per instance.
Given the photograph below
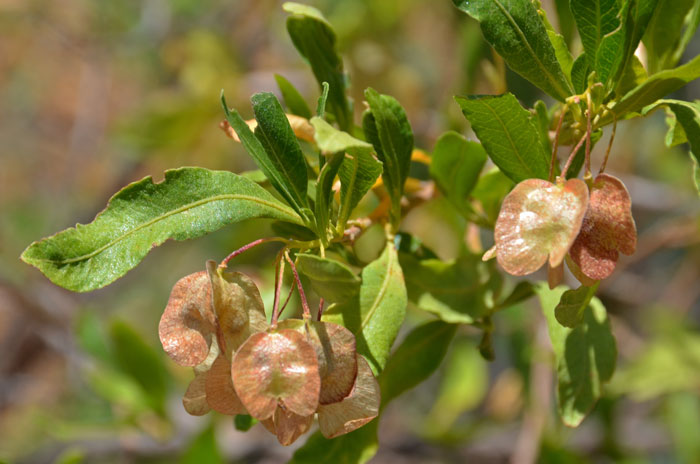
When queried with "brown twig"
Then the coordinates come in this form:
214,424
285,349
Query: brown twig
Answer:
302,295
556,143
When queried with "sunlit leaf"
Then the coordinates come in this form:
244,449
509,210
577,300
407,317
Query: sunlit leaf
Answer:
315,40
539,220
376,314
518,34
386,126
607,229
360,407
189,203
508,135
594,20
277,367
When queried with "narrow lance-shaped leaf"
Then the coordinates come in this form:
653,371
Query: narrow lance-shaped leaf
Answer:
561,50
330,279
386,126
358,172
292,98
662,45
518,34
585,356
594,19
376,314
271,163
189,203
315,40
324,205
455,166
508,135
579,73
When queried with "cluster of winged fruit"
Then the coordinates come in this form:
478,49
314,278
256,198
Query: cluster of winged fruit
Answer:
540,221
281,374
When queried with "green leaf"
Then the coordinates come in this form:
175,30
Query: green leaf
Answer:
561,50
617,47
492,187
330,279
585,356
356,447
455,166
359,170
541,119
594,20
243,422
508,135
282,147
292,98
322,100
315,40
376,314
632,76
522,291
688,116
141,362
579,73
663,37
518,34
202,449
657,86
418,356
324,194
572,304
189,203
387,128
454,291
271,161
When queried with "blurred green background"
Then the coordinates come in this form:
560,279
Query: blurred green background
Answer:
95,94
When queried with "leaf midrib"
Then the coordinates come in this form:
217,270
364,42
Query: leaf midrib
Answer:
380,296
562,93
179,210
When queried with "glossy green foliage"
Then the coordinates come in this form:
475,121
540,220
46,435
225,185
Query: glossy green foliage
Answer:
324,205
386,126
315,40
657,86
516,31
456,164
359,169
274,148
330,279
189,203
594,19
508,135
585,356
664,49
377,312
292,98
455,291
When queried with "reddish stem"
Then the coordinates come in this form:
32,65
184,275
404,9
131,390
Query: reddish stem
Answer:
588,135
279,274
320,309
607,153
556,143
572,156
302,295
247,247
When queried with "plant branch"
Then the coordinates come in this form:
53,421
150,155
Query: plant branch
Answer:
587,171
607,152
572,156
279,277
302,295
556,143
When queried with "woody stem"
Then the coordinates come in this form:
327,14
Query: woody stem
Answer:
247,247
279,274
588,135
572,156
607,152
